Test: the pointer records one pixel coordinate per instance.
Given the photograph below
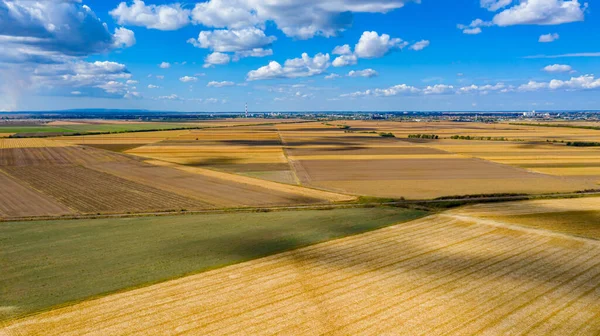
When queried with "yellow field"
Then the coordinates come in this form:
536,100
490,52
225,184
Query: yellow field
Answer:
5,135
30,143
123,138
578,216
445,274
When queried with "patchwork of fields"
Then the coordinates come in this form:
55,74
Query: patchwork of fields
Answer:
61,179
444,274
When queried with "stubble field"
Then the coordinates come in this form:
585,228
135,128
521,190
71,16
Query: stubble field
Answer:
443,274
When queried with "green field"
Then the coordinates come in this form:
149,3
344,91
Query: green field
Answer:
49,263
100,128
33,129
578,223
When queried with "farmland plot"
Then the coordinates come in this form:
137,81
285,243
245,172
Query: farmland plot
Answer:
17,200
89,191
445,274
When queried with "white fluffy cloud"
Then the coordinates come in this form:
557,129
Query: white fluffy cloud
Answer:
54,32
372,45
187,79
232,40
152,86
558,68
304,66
164,65
332,76
124,38
342,50
541,12
528,12
547,38
296,18
345,60
216,58
485,89
367,73
474,27
220,84
420,45
161,17
585,82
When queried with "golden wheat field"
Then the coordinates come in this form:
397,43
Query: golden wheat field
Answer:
444,274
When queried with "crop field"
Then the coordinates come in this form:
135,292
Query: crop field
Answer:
368,164
18,200
577,216
89,191
255,151
443,274
57,262
81,179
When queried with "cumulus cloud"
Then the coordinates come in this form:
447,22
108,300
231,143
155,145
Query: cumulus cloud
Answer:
420,45
332,76
54,32
304,66
474,27
345,60
152,86
164,65
558,68
438,89
529,12
124,38
232,40
342,50
161,17
216,58
485,89
547,38
585,82
301,19
170,97
541,12
372,45
188,79
367,73
220,84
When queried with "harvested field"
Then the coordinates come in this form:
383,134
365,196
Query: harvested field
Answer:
426,178
235,150
444,274
30,143
17,200
577,216
53,156
5,135
89,191
217,188
137,138
79,259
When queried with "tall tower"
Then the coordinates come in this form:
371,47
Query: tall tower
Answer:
246,110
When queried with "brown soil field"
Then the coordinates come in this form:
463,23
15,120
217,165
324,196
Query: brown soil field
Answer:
444,274
51,156
135,138
90,191
420,178
218,188
18,200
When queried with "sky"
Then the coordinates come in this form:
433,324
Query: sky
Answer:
300,55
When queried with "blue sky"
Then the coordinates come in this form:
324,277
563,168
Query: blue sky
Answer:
295,55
